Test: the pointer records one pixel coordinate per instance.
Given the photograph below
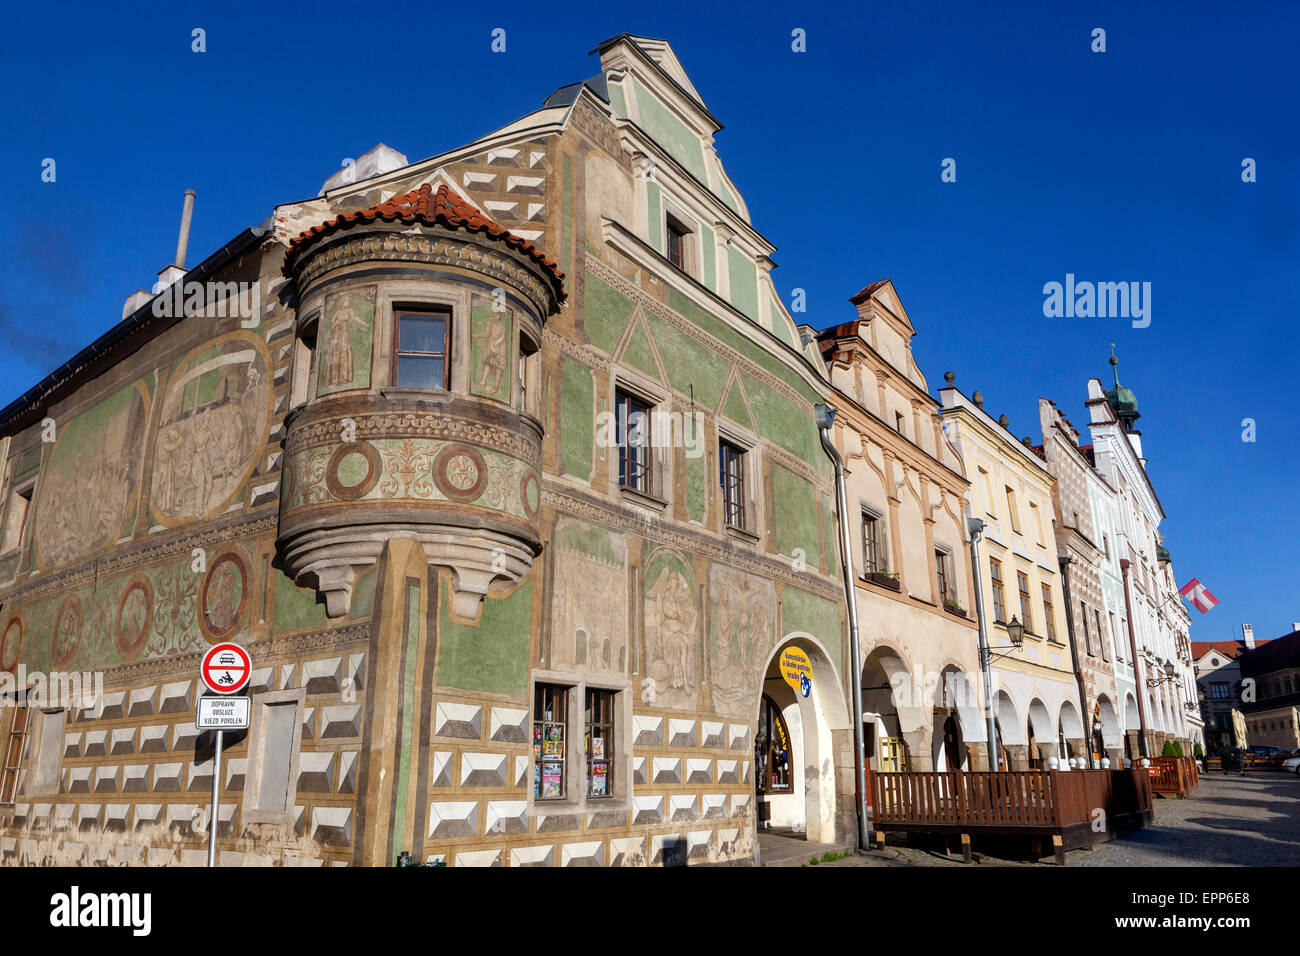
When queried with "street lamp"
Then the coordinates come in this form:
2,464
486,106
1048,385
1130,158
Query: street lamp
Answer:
1015,631
1170,675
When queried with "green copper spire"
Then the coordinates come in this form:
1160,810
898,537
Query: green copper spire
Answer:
1122,399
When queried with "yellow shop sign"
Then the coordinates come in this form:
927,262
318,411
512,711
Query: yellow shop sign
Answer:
797,670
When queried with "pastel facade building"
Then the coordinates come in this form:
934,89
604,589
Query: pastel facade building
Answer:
1036,696
507,478
906,487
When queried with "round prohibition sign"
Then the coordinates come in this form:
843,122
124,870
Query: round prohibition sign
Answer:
226,668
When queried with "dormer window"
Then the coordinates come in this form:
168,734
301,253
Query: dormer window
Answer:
677,240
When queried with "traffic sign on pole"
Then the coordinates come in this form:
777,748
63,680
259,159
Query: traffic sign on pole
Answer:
226,668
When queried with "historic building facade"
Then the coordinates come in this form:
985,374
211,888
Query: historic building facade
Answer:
507,478
1084,545
1272,717
906,487
1036,695
1163,678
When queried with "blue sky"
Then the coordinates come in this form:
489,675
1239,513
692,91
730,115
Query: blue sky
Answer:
1120,166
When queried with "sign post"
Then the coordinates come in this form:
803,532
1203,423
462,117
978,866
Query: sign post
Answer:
226,670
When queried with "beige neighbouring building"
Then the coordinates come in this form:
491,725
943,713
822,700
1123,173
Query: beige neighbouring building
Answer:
906,488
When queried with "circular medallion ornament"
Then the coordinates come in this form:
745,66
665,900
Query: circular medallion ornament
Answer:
67,632
353,470
11,644
460,473
134,618
223,597
529,495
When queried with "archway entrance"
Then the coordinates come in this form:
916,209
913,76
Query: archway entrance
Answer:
802,738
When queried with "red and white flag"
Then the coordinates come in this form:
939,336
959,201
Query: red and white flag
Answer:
1199,595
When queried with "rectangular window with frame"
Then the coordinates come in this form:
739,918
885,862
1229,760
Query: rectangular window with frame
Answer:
873,544
1049,614
1038,521
677,237
1026,609
634,442
550,734
999,601
1119,644
599,718
420,359
943,569
15,740
1087,634
1101,634
304,360
731,476
20,504
1012,511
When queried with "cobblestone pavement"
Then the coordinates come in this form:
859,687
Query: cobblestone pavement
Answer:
1230,821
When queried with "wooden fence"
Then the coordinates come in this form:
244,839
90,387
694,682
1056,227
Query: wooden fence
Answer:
1174,776
1075,808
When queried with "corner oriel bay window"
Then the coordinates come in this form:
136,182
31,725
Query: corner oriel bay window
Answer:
550,732
634,442
420,359
731,468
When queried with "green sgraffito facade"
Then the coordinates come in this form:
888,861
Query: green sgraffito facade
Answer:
491,655
578,416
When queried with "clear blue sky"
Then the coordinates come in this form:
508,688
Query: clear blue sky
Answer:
1117,166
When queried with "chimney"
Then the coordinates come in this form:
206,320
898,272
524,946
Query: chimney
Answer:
1248,636
171,273
183,241
1295,626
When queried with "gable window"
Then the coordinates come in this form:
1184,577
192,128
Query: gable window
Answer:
731,468
1012,511
420,358
1027,617
20,503
999,601
679,243
529,376
304,360
873,544
1049,617
634,442
943,568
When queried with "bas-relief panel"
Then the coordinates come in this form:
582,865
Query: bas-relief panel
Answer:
742,623
347,331
211,429
589,615
89,485
671,625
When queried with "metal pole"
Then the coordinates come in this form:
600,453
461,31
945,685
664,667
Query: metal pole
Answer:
975,526
216,782
825,417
